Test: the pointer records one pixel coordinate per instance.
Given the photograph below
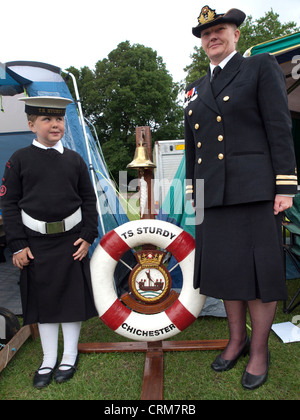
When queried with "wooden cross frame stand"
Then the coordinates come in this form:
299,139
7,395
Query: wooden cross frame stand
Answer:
153,379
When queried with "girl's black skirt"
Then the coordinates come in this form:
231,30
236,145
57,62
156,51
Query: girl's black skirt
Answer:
239,253
54,287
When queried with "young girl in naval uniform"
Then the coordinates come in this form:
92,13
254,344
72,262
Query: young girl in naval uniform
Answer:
50,219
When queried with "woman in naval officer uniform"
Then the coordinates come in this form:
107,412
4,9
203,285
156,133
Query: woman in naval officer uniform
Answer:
238,140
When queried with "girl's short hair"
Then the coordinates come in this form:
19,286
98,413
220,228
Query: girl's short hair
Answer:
31,117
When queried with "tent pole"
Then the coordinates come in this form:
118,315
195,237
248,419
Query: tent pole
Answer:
96,136
91,167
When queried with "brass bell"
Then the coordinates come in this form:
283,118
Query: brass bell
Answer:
141,159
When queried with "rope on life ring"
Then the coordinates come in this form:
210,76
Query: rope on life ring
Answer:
121,319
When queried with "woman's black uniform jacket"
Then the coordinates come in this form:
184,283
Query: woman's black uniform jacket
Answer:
239,138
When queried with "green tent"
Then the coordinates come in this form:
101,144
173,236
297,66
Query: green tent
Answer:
287,52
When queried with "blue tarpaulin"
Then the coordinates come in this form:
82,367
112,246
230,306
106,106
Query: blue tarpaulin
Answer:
39,79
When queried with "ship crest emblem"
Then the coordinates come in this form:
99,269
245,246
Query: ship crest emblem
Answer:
150,281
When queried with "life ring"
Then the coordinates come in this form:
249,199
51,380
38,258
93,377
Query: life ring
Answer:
121,319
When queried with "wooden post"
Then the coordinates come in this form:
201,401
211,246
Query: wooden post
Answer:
143,134
153,381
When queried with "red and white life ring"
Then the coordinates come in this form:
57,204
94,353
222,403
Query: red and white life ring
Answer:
136,326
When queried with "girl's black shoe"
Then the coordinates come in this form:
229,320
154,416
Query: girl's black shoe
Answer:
41,381
65,375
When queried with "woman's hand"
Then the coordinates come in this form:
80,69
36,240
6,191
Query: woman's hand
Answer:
282,203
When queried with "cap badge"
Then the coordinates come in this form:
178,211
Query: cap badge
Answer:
207,15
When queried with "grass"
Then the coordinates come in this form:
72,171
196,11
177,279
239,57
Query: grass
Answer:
187,376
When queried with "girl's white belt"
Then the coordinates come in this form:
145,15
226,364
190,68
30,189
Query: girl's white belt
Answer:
54,227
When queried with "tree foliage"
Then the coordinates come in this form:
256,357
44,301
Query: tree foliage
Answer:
252,33
130,88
